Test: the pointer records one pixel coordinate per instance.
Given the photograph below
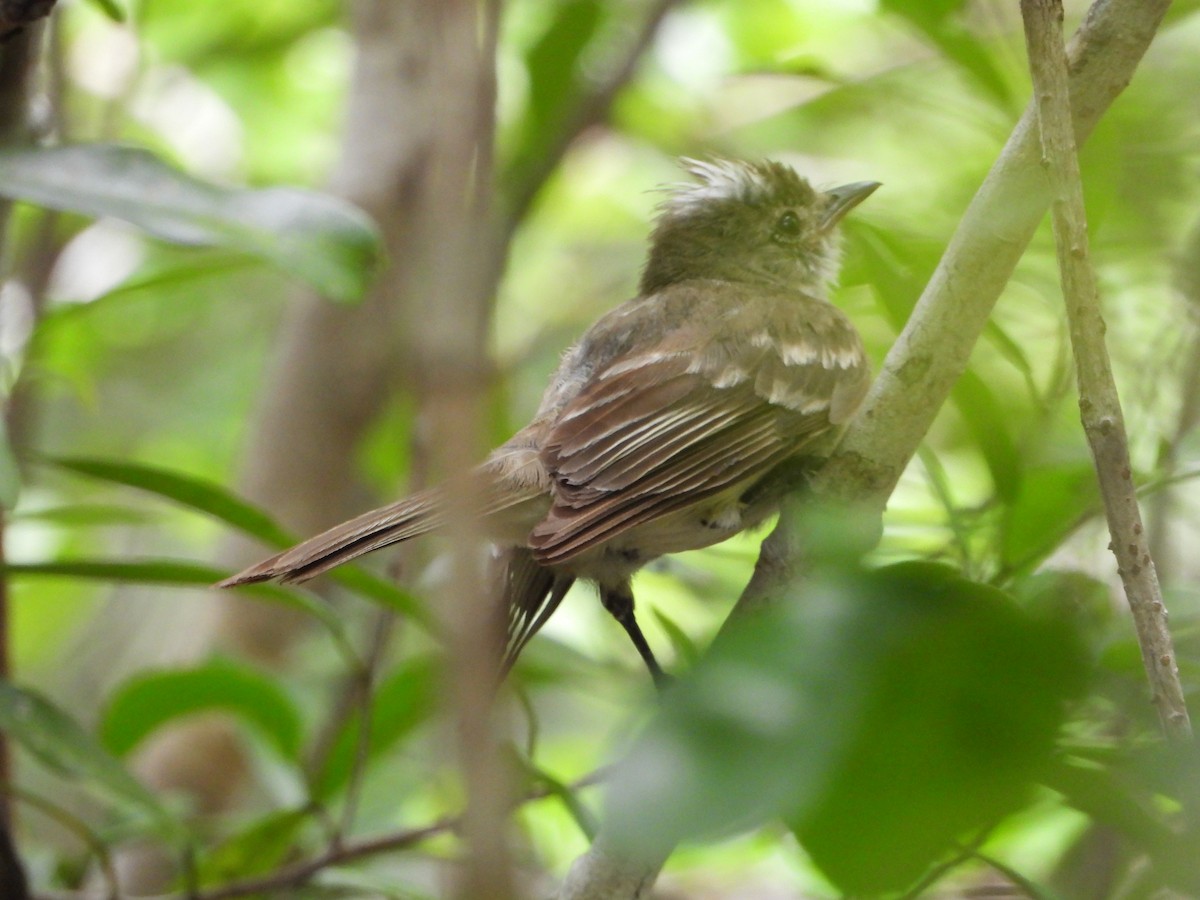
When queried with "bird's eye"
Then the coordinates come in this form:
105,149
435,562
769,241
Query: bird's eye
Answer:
788,224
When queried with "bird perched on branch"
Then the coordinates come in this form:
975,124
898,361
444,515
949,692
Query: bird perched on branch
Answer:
666,422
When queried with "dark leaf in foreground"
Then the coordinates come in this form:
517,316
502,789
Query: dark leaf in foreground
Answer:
883,714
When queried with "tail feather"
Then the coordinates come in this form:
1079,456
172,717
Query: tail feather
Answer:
408,518
373,530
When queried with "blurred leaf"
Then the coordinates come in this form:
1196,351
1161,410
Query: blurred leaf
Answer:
178,574
988,424
399,704
81,515
583,817
10,472
1051,503
317,237
56,740
257,848
685,648
149,700
111,8
214,500
204,496
1112,796
897,266
1014,353
553,66
883,714
939,21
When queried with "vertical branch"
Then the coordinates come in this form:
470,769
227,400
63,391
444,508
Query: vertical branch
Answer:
450,327
1099,404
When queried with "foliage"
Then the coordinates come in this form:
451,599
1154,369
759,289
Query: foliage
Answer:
963,706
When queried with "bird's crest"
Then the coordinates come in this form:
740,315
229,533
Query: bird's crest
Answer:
731,179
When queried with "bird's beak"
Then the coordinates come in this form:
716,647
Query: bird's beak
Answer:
845,198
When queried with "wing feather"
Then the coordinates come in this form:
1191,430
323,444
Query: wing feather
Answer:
686,417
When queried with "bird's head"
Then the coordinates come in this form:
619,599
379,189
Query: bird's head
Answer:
750,222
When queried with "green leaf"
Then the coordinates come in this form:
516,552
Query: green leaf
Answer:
685,648
55,739
883,714
1014,353
324,240
196,493
177,574
1052,502
151,699
554,86
257,848
399,704
10,473
112,9
83,515
1118,797
212,499
939,21
988,423
584,819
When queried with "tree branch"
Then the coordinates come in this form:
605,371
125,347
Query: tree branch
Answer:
1099,403
300,873
932,350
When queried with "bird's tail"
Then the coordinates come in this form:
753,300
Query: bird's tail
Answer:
407,518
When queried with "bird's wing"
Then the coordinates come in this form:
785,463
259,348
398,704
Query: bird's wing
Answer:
666,425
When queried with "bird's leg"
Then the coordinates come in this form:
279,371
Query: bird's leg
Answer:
619,602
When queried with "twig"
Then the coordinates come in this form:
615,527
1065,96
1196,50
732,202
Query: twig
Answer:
299,873
1099,403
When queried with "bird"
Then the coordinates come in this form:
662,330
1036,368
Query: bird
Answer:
668,423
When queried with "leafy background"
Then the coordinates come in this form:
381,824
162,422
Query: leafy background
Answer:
134,365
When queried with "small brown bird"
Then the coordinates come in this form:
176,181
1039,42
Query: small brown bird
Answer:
663,425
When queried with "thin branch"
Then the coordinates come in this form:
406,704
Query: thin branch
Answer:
297,874
1099,403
